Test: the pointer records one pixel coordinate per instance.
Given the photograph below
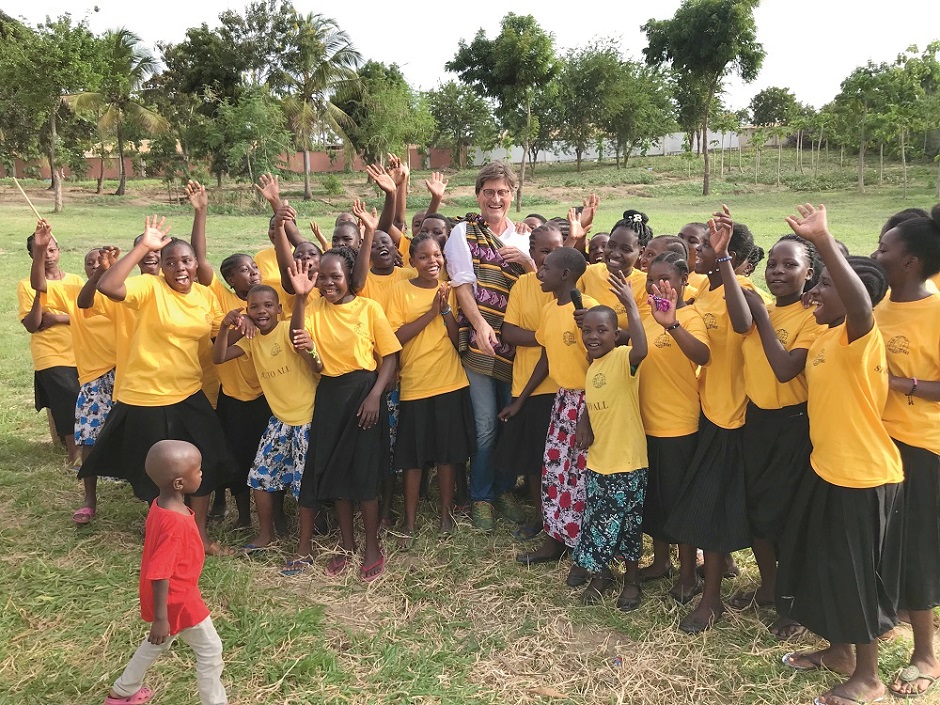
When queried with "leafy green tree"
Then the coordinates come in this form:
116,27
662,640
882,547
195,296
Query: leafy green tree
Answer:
773,106
857,108
127,64
511,69
387,115
258,35
593,68
319,60
255,131
463,119
705,41
37,69
642,109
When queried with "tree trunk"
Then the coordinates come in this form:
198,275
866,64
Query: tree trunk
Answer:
577,156
122,184
308,194
525,153
706,181
721,169
779,157
903,166
53,167
881,164
861,159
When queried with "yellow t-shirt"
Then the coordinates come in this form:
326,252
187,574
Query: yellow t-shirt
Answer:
696,282
51,347
848,387
288,381
611,397
347,334
238,377
92,336
164,365
429,364
561,338
911,331
271,275
595,283
524,310
796,328
378,287
721,381
669,400
404,248
124,323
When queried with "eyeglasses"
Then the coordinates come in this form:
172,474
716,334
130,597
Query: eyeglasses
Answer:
490,192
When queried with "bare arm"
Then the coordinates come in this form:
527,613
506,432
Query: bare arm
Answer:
719,229
154,238
436,186
223,349
385,182
364,256
486,336
520,337
160,629
270,188
196,193
539,373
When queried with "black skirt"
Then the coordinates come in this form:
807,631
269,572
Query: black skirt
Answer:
56,389
776,448
131,431
244,422
669,461
343,461
710,512
521,445
840,560
920,567
435,430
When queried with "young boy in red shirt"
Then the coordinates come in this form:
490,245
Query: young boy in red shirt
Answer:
169,581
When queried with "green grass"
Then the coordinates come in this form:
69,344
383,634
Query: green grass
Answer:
458,622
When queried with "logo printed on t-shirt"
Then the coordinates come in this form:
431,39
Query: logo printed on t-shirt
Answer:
899,345
783,335
662,341
276,350
599,380
568,338
820,357
711,323
361,329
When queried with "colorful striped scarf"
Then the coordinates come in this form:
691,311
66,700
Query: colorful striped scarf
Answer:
495,277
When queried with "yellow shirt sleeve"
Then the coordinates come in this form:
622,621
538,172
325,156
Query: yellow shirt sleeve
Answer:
52,347
613,406
524,310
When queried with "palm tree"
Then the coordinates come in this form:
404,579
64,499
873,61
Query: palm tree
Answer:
126,66
318,60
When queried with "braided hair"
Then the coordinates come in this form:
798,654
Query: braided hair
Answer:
873,276
812,256
921,237
637,221
347,257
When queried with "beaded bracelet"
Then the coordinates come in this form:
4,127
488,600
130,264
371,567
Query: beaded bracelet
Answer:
910,394
726,258
673,327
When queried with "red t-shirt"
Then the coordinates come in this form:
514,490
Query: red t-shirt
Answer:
173,550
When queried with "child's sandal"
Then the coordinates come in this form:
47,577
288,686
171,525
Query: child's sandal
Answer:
139,698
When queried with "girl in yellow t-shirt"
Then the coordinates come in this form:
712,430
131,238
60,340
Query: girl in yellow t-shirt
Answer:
621,253
241,406
55,379
161,393
520,449
691,234
776,431
615,480
436,419
839,557
670,410
660,245
710,511
565,358
93,343
346,435
909,321
287,373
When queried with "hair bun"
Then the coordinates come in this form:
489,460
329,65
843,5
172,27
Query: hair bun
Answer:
636,216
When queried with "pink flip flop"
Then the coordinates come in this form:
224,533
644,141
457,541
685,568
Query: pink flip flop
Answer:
83,515
141,696
378,567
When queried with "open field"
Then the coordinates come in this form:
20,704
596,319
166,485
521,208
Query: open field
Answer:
454,622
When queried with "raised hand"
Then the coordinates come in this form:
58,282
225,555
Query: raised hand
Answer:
436,185
196,193
318,234
233,318
591,204
369,220
284,214
812,223
269,187
381,178
155,235
247,327
719,231
620,287
300,279
575,225
663,304
443,294
107,256
42,235
397,169
302,340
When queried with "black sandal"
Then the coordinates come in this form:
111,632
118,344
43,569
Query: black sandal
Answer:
628,604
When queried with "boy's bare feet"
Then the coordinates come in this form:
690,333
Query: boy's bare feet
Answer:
838,659
701,618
